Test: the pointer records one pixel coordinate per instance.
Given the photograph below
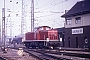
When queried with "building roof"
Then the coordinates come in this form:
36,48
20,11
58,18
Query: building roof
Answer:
80,8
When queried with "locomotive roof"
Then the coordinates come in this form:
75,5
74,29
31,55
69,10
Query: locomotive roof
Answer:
80,8
42,26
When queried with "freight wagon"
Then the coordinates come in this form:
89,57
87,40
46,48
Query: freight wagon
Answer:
42,38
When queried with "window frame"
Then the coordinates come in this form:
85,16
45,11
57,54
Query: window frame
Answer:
68,21
77,20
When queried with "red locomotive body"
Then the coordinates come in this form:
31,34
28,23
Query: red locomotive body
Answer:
53,34
29,36
43,34
41,38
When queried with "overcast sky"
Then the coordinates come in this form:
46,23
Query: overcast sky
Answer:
48,13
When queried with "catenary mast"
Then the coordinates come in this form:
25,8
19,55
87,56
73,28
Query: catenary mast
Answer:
32,15
23,19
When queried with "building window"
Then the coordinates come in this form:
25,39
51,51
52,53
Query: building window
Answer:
78,20
68,21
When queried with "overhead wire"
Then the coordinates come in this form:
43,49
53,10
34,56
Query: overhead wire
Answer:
49,19
41,8
37,3
28,2
44,6
52,12
41,21
54,21
52,5
45,16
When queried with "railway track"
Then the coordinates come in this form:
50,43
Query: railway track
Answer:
1,58
59,54
69,53
80,54
45,54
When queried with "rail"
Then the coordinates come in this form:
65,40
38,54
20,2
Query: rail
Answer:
70,55
44,56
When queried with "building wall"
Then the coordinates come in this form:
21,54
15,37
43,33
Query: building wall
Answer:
85,20
81,40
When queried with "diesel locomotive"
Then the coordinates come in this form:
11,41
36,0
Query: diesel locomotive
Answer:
42,37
